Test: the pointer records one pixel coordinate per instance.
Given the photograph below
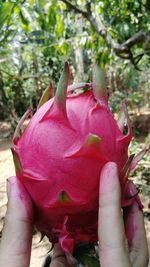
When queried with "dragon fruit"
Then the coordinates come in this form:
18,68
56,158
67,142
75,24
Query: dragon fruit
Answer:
60,155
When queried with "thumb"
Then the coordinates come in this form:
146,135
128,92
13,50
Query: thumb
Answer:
112,241
15,247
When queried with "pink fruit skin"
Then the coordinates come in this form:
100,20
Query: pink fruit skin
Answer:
60,161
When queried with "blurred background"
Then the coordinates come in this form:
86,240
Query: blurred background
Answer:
38,36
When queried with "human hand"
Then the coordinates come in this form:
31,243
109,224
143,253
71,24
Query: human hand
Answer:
15,246
117,231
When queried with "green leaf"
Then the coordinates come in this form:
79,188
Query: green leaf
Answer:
24,20
31,2
5,10
59,26
63,48
41,3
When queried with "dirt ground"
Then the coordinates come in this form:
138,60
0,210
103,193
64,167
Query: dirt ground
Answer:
39,249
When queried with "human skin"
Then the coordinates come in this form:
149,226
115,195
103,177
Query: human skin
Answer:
114,229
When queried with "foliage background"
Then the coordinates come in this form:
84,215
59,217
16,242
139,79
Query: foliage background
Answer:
37,36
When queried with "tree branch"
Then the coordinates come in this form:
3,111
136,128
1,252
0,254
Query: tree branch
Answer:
139,37
121,50
88,15
19,78
73,7
138,57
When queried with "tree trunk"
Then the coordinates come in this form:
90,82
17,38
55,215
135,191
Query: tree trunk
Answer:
37,77
78,50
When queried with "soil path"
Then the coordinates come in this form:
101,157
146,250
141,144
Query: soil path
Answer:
39,250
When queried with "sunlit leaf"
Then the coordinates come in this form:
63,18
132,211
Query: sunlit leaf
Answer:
5,10
41,3
31,2
59,26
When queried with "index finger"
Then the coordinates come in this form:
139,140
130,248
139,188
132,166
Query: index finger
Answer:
112,242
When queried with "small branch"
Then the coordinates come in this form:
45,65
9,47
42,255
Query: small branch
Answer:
38,78
138,57
73,7
137,38
88,6
28,77
19,78
9,74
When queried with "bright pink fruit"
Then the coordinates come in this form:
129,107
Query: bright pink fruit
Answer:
60,155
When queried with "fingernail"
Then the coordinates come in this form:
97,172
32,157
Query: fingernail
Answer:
11,188
19,201
109,177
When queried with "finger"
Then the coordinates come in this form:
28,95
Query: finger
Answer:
112,244
59,257
15,245
135,232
